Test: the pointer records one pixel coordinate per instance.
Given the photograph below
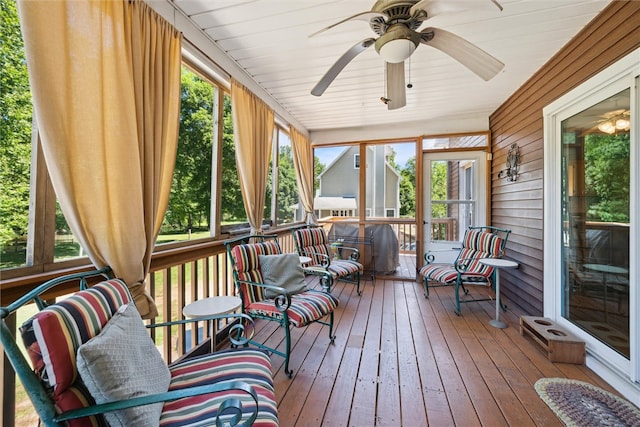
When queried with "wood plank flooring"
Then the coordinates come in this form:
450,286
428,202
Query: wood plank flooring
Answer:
400,359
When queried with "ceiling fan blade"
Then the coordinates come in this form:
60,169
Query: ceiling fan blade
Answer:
342,62
497,4
466,53
362,16
396,94
434,7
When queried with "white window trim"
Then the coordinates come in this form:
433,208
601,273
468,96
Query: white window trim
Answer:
621,373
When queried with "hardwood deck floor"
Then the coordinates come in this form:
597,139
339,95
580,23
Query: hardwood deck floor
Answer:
400,359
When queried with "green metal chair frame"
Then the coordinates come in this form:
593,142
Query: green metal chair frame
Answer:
466,269
40,396
283,302
322,263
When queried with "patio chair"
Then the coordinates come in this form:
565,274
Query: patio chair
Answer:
94,364
478,243
272,286
337,260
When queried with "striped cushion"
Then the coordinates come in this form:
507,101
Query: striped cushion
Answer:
343,267
247,266
246,365
311,242
476,244
62,327
306,307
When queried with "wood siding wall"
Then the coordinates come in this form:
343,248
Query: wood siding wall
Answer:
612,34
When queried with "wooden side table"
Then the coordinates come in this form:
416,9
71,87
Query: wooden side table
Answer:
210,307
497,264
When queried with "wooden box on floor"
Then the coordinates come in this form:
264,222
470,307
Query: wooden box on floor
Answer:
560,345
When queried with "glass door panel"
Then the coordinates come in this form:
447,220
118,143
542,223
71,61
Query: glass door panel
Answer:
455,199
596,218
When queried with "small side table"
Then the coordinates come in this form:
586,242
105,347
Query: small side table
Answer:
498,263
211,307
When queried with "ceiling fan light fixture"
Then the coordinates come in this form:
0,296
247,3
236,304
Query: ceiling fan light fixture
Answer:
397,50
622,124
606,127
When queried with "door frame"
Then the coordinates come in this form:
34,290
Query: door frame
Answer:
482,181
621,373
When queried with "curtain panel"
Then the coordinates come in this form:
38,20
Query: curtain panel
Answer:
107,111
303,164
253,124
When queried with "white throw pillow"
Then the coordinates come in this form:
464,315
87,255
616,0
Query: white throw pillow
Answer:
122,362
282,270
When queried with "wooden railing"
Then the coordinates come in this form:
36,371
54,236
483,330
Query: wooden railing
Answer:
179,275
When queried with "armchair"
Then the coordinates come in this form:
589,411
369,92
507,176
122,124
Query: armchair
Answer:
272,287
478,242
94,363
327,260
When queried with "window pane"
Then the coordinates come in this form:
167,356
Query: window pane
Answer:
391,176
15,142
338,182
462,141
189,210
231,204
287,185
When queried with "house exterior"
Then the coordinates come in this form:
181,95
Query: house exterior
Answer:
338,194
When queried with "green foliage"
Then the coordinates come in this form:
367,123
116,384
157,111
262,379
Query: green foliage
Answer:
408,189
607,177
189,204
15,128
287,185
438,188
318,168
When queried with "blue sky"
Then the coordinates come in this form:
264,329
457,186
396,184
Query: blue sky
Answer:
403,153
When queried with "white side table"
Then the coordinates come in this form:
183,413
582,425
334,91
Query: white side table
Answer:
498,263
210,307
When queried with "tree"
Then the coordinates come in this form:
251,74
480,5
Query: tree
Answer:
408,189
607,176
287,185
189,202
15,128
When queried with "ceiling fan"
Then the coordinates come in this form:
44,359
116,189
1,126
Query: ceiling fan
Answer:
396,22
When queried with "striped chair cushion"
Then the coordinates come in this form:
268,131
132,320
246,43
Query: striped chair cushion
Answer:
476,244
313,241
247,266
61,328
306,307
343,267
246,365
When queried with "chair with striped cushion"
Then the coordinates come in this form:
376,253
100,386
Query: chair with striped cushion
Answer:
93,345
340,261
282,306
478,243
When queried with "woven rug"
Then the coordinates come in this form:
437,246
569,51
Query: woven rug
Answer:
581,404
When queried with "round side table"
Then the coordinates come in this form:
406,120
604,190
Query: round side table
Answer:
497,264
210,307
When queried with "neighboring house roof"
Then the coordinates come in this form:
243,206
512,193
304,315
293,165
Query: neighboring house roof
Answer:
324,203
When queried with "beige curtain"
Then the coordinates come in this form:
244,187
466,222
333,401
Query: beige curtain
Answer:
303,162
253,132
105,79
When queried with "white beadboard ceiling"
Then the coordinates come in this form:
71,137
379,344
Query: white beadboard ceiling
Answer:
269,40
